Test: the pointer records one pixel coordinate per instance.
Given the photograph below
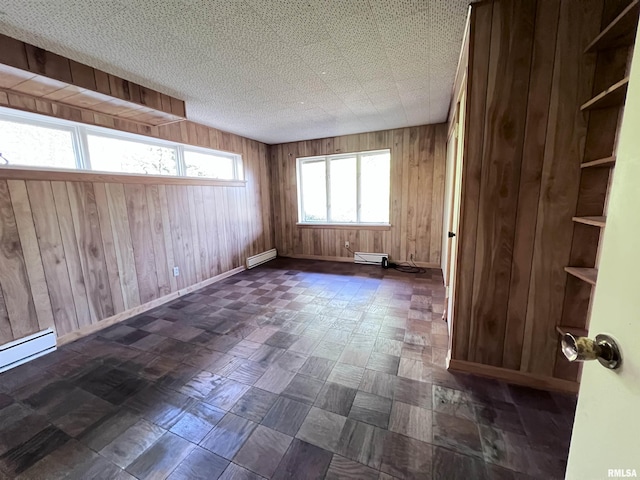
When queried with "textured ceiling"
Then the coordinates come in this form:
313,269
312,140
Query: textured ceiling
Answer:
272,70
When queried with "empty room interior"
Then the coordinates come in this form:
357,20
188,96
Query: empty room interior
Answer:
341,239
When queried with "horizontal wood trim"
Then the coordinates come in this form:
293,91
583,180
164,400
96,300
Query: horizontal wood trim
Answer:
620,32
600,162
12,173
333,226
589,275
614,96
594,221
514,376
132,312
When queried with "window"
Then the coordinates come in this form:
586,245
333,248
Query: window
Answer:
204,164
36,145
118,155
31,140
352,188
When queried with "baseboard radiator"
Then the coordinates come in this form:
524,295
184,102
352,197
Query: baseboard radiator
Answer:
369,258
26,349
261,258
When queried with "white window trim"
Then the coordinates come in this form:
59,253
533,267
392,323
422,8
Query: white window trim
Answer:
327,159
79,132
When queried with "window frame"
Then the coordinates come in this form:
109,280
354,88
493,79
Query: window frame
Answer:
80,131
300,161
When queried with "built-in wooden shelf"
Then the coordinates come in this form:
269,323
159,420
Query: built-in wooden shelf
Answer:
620,32
575,331
589,275
29,73
595,221
614,96
600,162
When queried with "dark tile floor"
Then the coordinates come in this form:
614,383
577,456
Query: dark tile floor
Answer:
295,369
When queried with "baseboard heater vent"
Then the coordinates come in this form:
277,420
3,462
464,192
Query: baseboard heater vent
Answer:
369,258
26,349
261,258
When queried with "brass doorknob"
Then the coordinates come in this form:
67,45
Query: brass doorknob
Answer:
580,349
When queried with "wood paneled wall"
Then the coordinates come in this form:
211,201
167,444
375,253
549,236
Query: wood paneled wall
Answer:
417,196
527,77
74,253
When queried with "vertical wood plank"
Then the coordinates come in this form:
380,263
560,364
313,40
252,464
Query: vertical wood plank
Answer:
123,244
479,42
84,212
31,251
14,280
108,246
424,194
141,239
168,239
67,232
437,194
198,258
529,188
54,262
158,239
509,62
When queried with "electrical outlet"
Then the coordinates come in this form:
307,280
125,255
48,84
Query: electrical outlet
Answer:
176,271
346,244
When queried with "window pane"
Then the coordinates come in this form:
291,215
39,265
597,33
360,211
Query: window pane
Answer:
314,191
117,155
344,197
36,146
374,190
206,165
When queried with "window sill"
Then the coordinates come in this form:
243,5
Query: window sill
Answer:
346,226
26,173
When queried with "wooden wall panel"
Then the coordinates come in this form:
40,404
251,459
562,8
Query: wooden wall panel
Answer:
31,251
77,249
416,203
143,252
109,247
13,272
505,117
479,42
544,44
578,25
525,139
67,233
45,220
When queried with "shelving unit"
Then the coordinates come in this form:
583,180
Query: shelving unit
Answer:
610,50
614,96
620,32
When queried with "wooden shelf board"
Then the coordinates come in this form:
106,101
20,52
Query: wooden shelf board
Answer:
600,162
595,221
614,96
589,275
620,32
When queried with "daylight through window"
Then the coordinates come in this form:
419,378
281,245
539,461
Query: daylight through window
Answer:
36,141
350,188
